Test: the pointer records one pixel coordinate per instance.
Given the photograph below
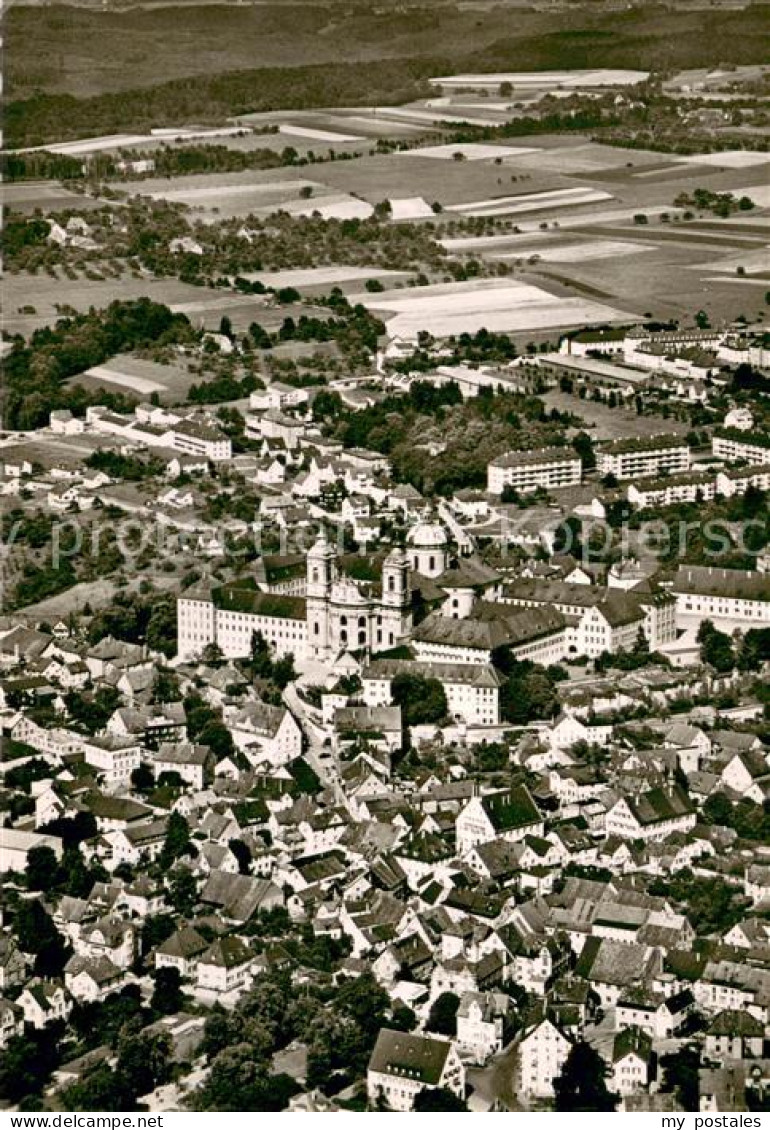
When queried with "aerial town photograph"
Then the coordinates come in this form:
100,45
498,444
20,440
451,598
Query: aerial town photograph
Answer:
385,559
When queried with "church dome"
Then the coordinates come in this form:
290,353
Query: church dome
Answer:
428,535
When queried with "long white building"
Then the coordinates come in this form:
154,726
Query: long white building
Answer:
639,456
728,597
548,467
733,444
337,613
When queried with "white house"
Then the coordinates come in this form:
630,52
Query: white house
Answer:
510,815
225,967
652,815
480,1024
543,1050
403,1064
631,1061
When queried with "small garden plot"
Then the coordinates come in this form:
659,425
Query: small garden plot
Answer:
470,152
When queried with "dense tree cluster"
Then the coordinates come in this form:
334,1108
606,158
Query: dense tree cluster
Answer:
34,372
48,117
338,1025
412,428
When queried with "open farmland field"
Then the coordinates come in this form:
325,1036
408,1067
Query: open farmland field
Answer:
729,159
371,124
671,279
363,180
227,195
203,307
322,278
497,305
542,80
546,201
48,196
470,152
450,182
137,377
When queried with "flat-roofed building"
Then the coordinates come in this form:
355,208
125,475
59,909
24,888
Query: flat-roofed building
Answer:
548,467
733,444
737,480
672,489
640,456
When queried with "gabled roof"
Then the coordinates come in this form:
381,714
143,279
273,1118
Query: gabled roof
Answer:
184,943
227,953
409,1056
239,896
659,805
513,808
631,1041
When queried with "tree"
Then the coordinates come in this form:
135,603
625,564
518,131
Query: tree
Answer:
403,1019
240,1080
582,1082
260,661
144,1061
583,445
143,778
438,1099
74,877
680,1074
37,935
716,648
183,891
177,840
42,869
155,930
166,686
442,1017
422,700
242,853
102,1089
167,996
26,1064
212,654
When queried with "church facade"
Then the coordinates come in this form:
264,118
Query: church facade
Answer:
336,613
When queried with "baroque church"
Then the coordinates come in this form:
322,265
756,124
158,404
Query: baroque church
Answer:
316,607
